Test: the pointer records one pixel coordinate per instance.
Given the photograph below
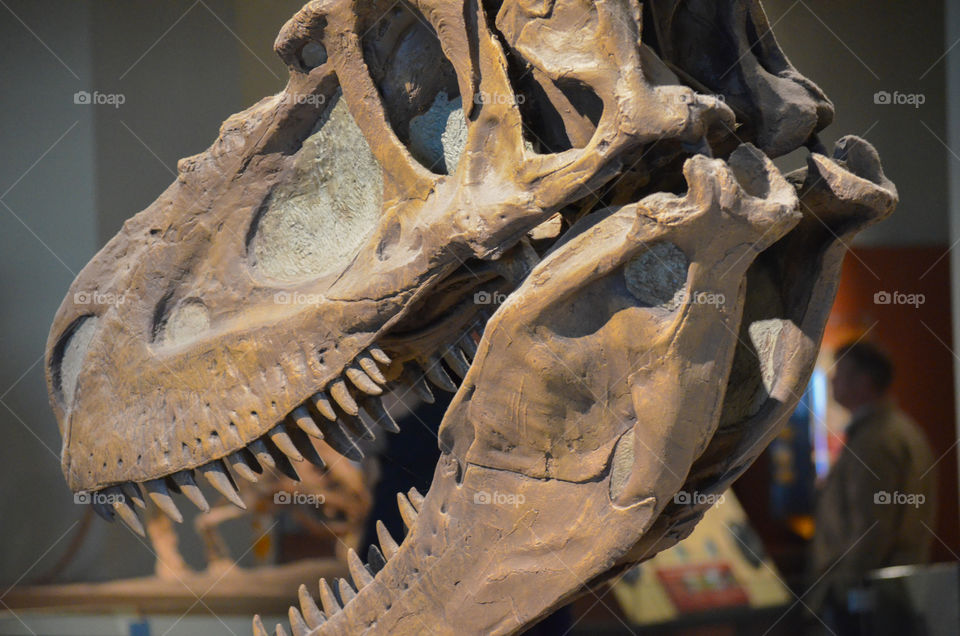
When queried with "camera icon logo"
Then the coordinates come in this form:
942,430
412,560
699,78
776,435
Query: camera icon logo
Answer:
281,498
82,498
881,497
282,298
482,298
482,497
81,298
82,97
682,498
882,298
882,98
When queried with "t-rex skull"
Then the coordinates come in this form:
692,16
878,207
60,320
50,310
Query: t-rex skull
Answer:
664,307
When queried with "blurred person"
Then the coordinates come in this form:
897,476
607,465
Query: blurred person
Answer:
874,502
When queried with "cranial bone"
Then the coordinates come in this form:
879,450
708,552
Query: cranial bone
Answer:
602,166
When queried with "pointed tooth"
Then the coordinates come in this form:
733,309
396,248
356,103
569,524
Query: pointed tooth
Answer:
280,631
358,571
407,511
347,593
243,463
358,427
280,460
124,509
375,558
416,382
280,438
157,490
379,355
468,346
438,375
132,492
297,625
311,613
323,405
302,441
458,364
370,367
363,381
416,499
103,510
328,600
301,416
341,394
389,546
190,490
376,412
216,473
343,442
260,451
258,628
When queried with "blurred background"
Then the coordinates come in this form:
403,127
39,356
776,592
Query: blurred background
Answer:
101,98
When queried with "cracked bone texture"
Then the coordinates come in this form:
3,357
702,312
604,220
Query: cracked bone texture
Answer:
564,211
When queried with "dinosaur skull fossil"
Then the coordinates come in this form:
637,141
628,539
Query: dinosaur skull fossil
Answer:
605,165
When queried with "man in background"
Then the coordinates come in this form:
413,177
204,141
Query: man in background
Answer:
880,492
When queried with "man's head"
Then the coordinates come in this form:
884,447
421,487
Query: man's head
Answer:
863,375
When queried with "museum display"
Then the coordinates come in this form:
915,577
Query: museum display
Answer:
565,212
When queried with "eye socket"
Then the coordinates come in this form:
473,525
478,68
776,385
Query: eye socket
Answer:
68,355
658,276
312,54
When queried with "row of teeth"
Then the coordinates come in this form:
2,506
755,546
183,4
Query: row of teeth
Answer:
332,415
334,598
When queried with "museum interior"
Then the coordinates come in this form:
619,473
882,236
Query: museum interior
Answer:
843,520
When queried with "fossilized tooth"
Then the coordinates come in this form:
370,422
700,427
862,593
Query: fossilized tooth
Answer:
311,612
387,544
416,499
124,509
468,346
297,625
103,510
160,495
280,437
302,441
358,571
375,410
343,441
411,378
375,558
258,628
280,630
190,490
347,593
330,604
280,460
369,366
407,511
356,426
341,394
322,403
435,372
379,355
244,464
132,492
454,358
363,381
217,475
302,418
262,454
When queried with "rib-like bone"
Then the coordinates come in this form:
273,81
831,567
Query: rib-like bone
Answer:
388,545
160,495
216,473
190,490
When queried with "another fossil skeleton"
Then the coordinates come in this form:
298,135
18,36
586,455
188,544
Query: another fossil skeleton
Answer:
604,165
